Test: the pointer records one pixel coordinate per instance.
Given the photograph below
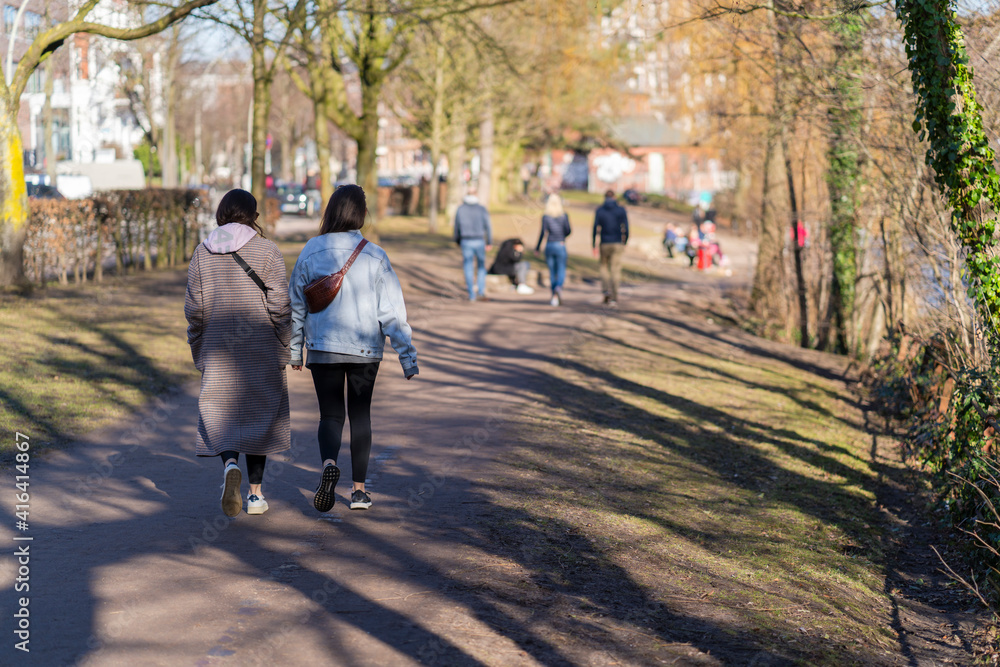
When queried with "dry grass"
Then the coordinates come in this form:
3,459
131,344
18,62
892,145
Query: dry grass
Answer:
704,491
78,358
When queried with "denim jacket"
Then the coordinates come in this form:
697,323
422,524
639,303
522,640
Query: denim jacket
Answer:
368,308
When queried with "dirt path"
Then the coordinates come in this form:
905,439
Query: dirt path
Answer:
132,562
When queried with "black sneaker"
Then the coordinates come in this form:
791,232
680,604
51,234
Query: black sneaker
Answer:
323,500
360,500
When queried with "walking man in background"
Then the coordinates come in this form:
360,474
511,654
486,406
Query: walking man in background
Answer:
611,222
474,236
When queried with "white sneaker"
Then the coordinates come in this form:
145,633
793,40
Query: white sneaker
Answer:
525,289
554,301
231,501
256,504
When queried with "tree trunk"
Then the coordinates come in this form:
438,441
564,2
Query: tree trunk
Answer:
50,152
842,182
486,139
261,107
767,299
99,254
322,133
13,198
169,163
367,141
456,162
437,139
287,155
199,165
800,281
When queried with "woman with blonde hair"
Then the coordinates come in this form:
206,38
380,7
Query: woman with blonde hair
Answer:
555,222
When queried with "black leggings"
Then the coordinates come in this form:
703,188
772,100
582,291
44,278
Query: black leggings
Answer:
329,380
255,465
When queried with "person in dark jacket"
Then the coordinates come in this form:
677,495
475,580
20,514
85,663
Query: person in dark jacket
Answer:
611,223
555,223
474,235
509,262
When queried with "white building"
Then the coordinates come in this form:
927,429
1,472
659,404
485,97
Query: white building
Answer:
90,117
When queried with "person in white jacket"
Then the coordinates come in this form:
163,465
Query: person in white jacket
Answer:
344,341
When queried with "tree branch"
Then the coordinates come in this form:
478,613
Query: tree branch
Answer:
723,10
47,42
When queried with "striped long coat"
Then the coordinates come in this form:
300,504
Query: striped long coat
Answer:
239,340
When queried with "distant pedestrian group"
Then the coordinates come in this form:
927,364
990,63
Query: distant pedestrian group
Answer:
700,245
247,321
473,233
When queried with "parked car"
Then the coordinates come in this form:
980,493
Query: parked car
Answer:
632,196
296,200
42,191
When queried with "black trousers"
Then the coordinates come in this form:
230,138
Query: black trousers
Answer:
330,380
255,465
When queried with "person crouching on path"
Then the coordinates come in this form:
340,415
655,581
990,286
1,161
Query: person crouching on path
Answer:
611,222
344,340
555,223
239,326
475,237
510,262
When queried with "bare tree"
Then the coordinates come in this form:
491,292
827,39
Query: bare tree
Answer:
13,196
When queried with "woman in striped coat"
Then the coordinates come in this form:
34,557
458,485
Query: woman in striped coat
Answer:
239,333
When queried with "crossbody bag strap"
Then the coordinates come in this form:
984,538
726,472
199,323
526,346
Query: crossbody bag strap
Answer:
253,274
354,255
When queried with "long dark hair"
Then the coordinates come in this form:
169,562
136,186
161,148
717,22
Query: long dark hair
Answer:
238,206
345,211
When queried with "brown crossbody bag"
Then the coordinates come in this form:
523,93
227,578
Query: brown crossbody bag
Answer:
321,292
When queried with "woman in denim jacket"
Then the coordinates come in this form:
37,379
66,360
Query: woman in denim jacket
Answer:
345,339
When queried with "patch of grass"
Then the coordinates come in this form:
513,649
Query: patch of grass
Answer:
667,203
79,358
728,495
582,196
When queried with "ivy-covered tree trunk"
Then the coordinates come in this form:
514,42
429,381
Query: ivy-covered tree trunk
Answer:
950,116
13,197
843,171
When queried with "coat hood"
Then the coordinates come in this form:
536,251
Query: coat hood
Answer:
229,238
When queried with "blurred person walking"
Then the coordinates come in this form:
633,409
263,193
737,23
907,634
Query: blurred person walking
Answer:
475,237
555,223
344,338
611,223
239,326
